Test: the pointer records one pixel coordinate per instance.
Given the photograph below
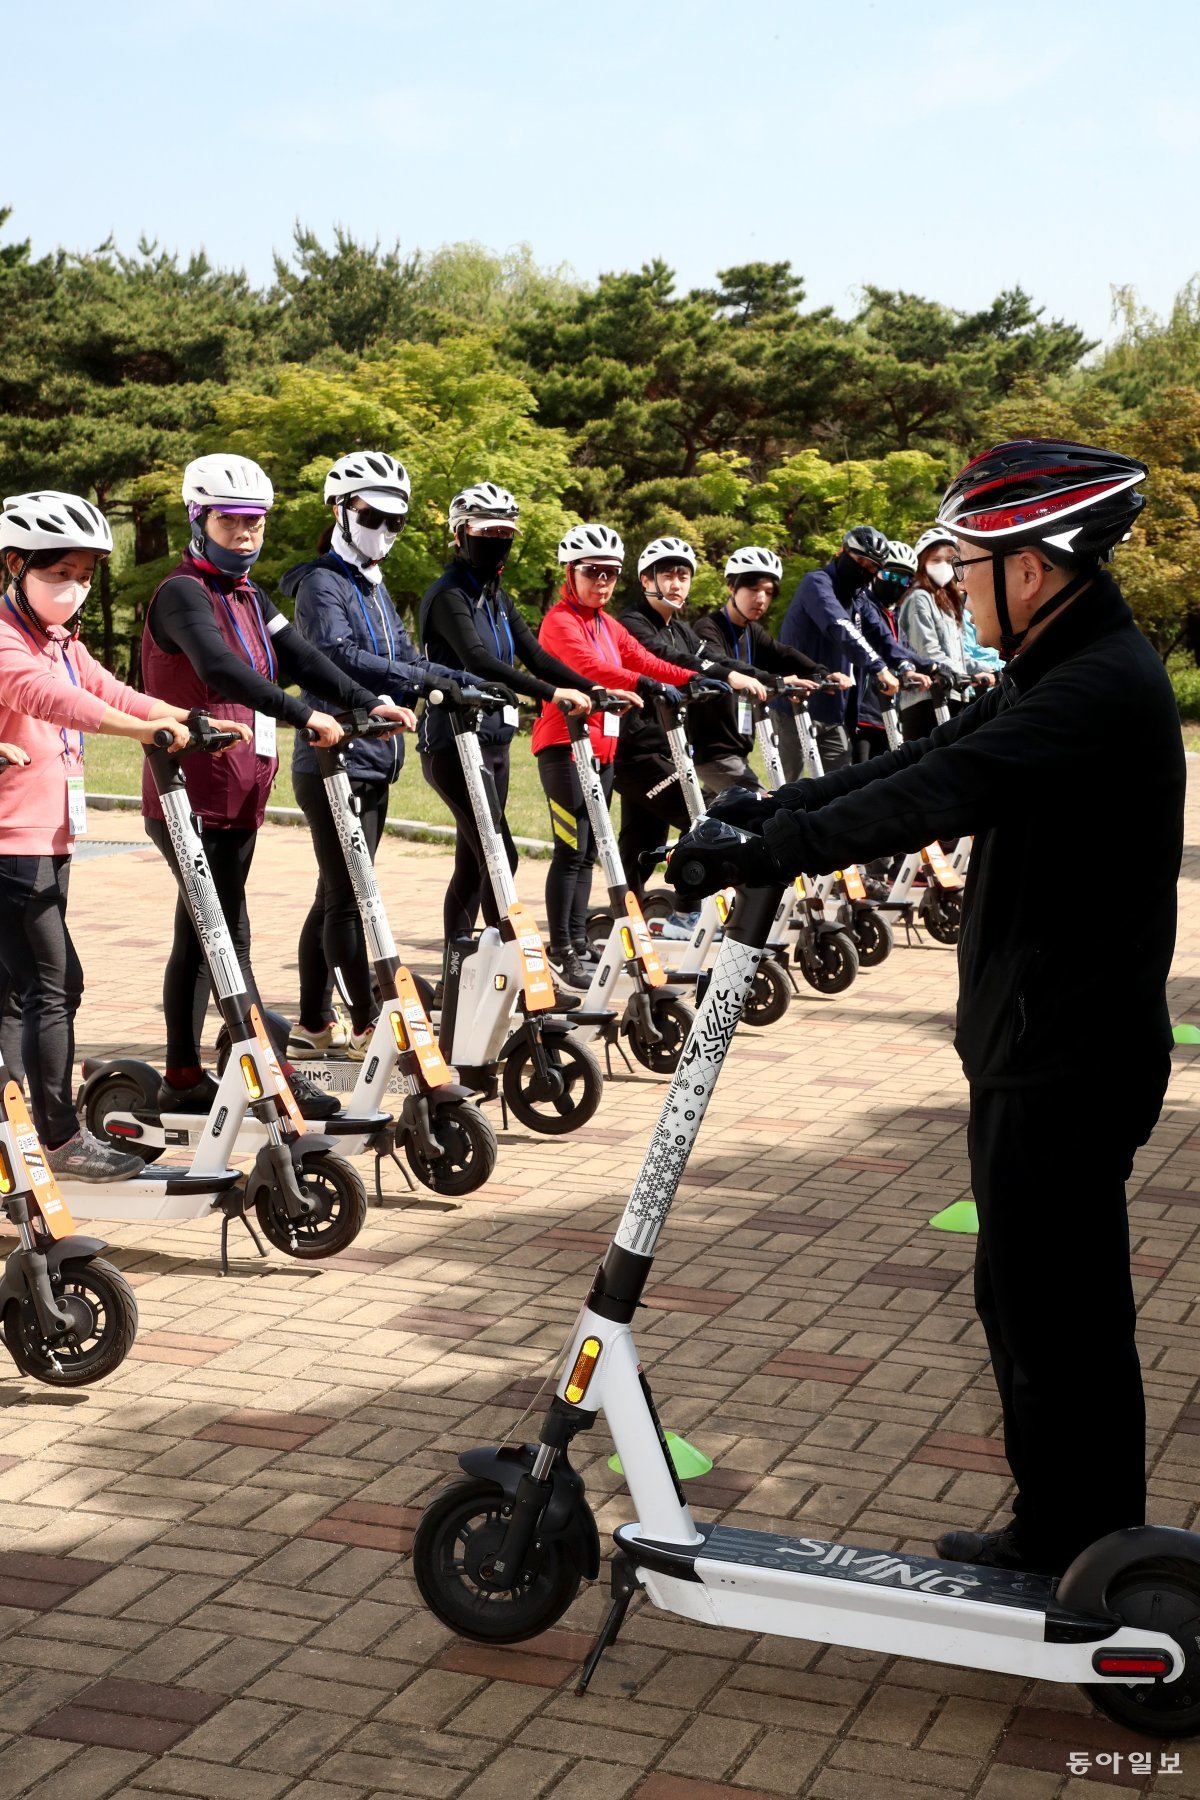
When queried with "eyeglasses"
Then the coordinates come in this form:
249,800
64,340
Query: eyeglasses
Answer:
370,520
959,563
598,571
254,522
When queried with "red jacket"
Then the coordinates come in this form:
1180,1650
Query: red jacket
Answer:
606,655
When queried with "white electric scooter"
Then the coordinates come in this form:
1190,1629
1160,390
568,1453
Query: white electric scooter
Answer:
310,1202
937,905
500,1555
501,1025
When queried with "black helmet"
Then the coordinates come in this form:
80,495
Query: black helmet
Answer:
864,540
1071,500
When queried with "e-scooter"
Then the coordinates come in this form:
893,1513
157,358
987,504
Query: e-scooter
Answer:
652,1017
310,1202
960,856
499,1556
500,1026
937,905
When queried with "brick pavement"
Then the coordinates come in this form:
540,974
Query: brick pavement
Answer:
204,1586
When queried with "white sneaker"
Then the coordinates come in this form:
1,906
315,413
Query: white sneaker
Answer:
333,1036
680,926
358,1042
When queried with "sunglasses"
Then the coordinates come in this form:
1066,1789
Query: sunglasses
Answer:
371,520
598,571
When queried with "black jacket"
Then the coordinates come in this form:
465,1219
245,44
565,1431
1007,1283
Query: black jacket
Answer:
675,641
1071,767
714,727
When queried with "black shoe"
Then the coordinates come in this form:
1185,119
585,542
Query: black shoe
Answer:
195,1099
992,1550
566,968
587,953
438,998
314,1102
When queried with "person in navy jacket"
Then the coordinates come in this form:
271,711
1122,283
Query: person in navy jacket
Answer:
343,607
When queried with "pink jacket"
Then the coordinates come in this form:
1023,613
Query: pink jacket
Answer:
38,702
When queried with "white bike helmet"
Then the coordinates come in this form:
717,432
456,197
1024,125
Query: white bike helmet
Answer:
373,476
936,535
48,520
752,559
585,541
666,549
483,504
901,556
229,483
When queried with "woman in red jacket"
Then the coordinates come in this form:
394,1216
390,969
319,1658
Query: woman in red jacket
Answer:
579,633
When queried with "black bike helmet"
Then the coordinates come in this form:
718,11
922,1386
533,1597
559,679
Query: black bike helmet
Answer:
864,540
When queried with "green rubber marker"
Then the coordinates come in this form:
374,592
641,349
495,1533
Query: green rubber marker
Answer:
962,1216
1186,1034
688,1461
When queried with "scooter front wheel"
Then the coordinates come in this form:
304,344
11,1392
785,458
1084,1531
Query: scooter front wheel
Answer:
941,914
873,939
104,1319
830,964
673,1020
119,1092
468,1150
770,994
340,1214
565,1101
1160,1594
458,1536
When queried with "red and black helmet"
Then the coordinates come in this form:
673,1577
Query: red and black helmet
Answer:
1072,500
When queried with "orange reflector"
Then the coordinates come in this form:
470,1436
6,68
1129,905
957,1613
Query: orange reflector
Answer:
627,943
722,908
398,1031
499,982
581,1374
7,1184
250,1077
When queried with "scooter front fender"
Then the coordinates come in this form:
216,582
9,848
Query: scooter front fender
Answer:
567,1516
448,1095
69,1249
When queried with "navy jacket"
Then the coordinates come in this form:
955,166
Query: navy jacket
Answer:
818,623
872,620
358,628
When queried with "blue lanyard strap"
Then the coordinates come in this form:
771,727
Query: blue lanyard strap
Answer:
264,635
747,641
360,596
491,619
22,626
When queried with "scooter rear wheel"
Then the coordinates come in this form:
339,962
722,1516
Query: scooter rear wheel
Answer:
941,914
468,1150
599,929
831,964
1160,1594
673,1019
119,1092
457,1534
104,1324
340,1216
873,939
770,994
553,1113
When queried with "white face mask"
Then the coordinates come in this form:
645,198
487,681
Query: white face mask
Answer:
54,601
939,573
374,545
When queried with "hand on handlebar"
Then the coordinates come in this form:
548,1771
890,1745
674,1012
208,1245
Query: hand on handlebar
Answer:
747,807
627,695
745,684
573,701
406,719
914,680
836,679
13,755
323,730
801,684
172,734
886,682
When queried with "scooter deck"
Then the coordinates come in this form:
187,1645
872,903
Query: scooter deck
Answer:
161,1193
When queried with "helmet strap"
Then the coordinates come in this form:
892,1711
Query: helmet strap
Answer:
1010,640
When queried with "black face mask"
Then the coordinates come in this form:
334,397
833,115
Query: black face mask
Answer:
849,577
487,555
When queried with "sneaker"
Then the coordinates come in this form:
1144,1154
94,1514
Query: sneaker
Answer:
992,1550
439,996
314,1102
357,1045
333,1036
85,1158
195,1099
566,967
679,927
587,953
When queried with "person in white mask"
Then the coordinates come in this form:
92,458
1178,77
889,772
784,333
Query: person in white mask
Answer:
931,620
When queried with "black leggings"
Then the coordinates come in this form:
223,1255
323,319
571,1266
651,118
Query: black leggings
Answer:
332,934
651,802
569,882
186,984
39,963
469,887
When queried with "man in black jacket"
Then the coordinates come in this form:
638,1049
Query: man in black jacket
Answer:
1063,1033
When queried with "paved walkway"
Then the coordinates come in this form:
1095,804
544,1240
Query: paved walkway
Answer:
204,1587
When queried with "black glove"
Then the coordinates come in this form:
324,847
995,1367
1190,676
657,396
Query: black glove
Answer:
712,855
745,806
706,684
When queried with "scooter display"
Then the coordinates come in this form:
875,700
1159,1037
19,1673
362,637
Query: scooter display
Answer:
629,996
499,1556
309,1201
501,1026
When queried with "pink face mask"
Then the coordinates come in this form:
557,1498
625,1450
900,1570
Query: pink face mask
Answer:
54,601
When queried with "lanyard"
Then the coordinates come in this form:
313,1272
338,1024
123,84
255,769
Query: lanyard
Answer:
747,641
592,622
512,649
264,637
387,632
22,626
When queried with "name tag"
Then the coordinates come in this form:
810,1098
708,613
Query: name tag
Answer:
264,735
511,716
76,805
745,718
612,725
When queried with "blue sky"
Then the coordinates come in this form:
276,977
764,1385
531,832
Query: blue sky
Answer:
949,149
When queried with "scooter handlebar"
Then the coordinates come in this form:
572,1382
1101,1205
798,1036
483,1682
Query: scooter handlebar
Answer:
453,695
202,735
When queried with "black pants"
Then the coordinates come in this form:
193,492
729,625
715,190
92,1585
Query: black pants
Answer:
186,984
1055,1296
868,743
651,802
917,720
569,882
470,888
39,964
332,934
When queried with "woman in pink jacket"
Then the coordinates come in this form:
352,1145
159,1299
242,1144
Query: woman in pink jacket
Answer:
52,691
578,632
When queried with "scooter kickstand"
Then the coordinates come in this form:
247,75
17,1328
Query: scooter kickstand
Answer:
392,1155
624,1586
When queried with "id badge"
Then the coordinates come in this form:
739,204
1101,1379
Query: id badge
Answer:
745,719
264,735
76,806
511,716
612,725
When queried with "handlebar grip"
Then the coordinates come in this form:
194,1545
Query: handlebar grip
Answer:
164,739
